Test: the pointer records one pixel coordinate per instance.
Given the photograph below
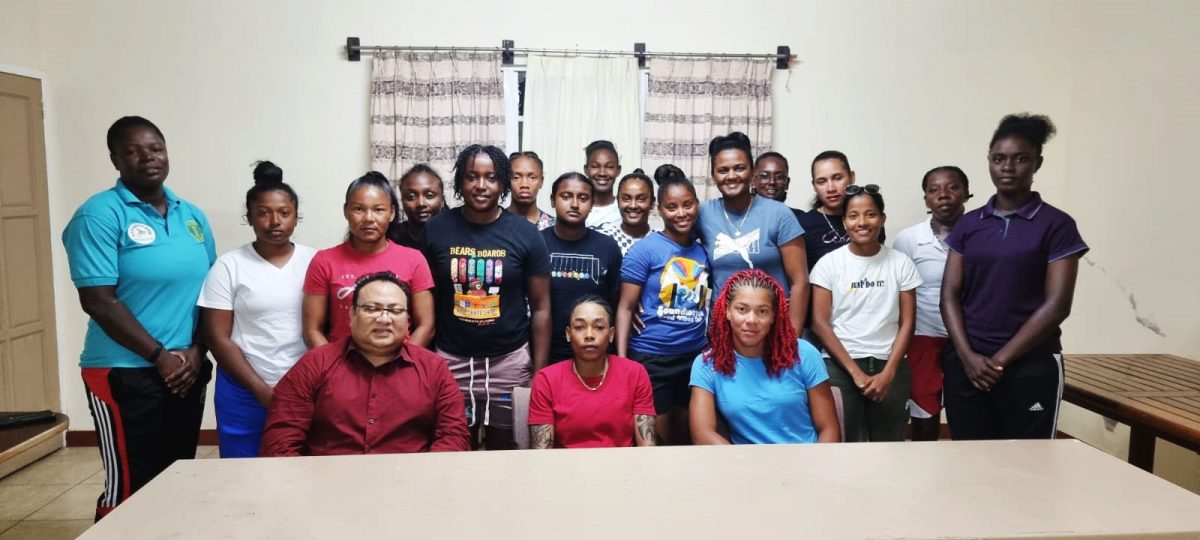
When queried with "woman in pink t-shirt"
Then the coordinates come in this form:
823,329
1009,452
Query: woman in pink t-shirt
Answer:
371,210
597,399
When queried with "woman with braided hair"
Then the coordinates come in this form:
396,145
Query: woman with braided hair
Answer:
492,271
770,386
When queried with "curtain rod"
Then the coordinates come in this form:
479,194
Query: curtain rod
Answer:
354,50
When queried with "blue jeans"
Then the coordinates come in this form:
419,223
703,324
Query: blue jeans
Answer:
240,418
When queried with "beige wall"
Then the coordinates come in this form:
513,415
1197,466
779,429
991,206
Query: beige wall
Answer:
20,38
900,87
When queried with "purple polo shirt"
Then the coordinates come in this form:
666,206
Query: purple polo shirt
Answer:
1004,268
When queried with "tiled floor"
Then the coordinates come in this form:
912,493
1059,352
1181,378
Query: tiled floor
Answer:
56,496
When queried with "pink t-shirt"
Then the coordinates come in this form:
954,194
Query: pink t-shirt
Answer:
334,271
586,419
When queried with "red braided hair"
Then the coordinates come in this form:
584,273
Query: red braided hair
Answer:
780,350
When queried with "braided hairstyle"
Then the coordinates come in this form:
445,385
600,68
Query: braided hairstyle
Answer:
499,161
780,350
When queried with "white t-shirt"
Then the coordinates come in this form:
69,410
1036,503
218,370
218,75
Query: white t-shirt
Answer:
601,215
929,254
866,297
265,301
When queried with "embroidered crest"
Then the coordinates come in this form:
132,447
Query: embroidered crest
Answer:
193,227
141,233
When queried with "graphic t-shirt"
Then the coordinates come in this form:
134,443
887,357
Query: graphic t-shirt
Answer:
750,239
676,292
762,409
590,265
333,273
866,297
482,301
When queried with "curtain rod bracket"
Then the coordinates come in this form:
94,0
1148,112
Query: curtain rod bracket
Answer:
639,50
506,53
783,56
353,52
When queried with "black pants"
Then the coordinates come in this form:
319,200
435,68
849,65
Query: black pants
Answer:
140,426
1023,404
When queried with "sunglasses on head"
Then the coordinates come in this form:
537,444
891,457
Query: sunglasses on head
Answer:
855,189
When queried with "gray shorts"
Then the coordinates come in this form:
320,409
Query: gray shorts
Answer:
486,383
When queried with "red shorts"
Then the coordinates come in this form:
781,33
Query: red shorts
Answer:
924,359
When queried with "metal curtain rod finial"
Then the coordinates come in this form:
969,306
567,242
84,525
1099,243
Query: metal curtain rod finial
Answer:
354,49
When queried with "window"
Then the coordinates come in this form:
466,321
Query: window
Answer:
514,103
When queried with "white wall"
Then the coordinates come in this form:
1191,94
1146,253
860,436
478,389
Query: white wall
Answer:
20,38
900,87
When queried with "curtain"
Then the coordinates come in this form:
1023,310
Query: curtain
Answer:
426,107
572,101
690,101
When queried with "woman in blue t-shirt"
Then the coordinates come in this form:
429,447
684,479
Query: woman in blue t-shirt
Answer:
741,230
666,277
771,387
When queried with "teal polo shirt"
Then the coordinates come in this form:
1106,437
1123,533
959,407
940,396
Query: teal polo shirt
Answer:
157,264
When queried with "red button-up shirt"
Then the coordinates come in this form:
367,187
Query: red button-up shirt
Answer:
333,401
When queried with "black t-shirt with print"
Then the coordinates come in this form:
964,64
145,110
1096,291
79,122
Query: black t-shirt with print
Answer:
480,272
590,265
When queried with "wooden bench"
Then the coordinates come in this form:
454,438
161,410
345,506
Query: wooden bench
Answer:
1157,395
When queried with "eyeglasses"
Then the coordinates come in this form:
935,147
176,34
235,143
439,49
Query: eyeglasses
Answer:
855,189
777,177
377,311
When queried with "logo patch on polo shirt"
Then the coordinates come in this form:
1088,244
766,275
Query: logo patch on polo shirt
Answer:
193,227
141,233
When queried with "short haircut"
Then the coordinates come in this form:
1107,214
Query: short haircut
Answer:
769,155
125,123
381,276
962,176
593,299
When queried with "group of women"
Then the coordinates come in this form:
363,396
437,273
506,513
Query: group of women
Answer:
741,321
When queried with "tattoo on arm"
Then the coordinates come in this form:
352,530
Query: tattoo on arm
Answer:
541,436
644,424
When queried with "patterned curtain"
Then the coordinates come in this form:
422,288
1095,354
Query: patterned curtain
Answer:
690,101
426,107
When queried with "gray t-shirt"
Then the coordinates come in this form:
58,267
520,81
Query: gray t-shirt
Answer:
751,239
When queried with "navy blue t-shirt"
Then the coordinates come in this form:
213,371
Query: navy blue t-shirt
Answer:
590,265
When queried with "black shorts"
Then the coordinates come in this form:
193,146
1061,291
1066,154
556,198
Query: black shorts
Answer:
669,377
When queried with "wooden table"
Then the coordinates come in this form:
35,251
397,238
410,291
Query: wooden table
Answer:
1157,395
975,489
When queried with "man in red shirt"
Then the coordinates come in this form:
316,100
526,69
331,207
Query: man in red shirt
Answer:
370,392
